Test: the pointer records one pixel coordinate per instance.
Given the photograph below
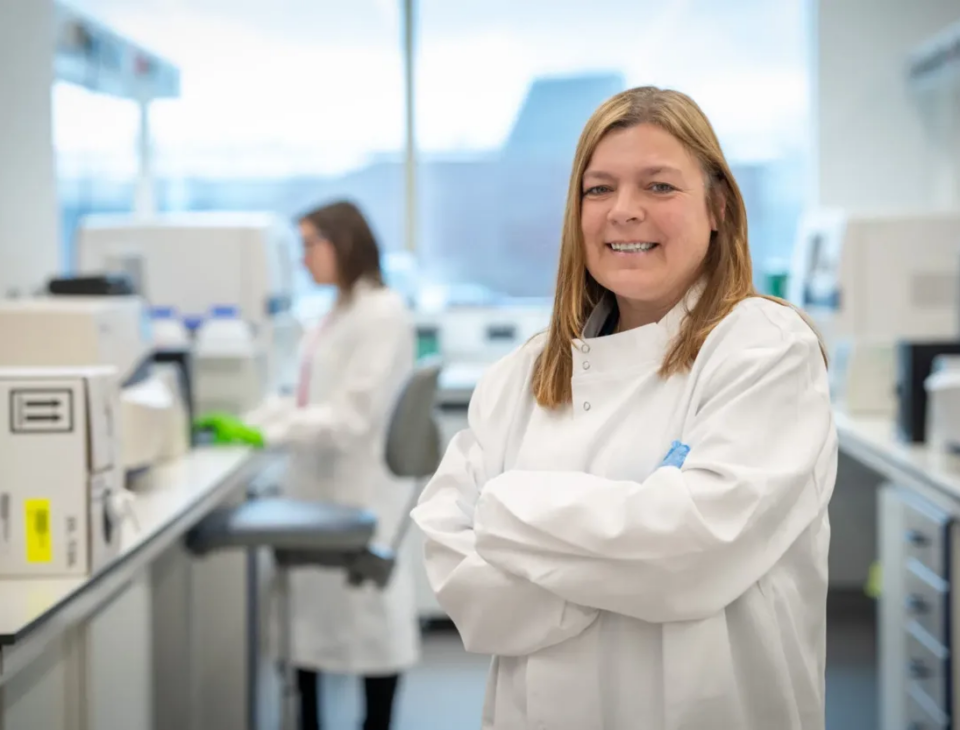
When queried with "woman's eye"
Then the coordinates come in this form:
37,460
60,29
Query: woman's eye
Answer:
597,190
662,188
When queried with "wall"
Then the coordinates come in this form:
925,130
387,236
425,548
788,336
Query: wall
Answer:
29,229
877,145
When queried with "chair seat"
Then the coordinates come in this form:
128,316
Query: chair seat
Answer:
283,524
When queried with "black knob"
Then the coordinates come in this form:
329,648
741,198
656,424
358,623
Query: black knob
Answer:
917,604
108,527
918,670
917,538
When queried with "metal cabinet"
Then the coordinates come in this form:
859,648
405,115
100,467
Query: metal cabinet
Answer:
917,671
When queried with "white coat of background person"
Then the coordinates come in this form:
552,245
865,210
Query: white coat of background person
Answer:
354,366
615,593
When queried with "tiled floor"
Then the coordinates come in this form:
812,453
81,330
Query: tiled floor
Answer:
446,691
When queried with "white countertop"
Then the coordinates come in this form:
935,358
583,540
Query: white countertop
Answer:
873,442
176,494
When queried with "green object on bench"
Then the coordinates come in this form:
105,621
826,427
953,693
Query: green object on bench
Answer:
227,429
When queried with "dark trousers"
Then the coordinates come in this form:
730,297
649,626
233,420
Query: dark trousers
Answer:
379,693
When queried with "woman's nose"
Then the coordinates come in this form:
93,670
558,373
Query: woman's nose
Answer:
627,208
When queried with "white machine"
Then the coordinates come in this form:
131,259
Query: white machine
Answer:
870,280
471,338
201,266
61,489
60,331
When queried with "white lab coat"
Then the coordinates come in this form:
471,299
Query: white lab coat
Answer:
358,366
616,595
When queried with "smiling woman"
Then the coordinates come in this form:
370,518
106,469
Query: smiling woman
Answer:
616,587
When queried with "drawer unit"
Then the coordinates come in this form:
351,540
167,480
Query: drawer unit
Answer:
917,667
925,535
927,601
921,715
928,668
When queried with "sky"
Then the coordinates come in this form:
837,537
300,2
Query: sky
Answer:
317,85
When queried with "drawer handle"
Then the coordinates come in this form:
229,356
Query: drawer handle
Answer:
918,670
917,604
917,538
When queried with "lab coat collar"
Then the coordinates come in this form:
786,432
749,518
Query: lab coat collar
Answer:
361,288
647,343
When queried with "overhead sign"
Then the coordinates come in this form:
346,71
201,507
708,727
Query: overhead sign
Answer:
91,56
937,59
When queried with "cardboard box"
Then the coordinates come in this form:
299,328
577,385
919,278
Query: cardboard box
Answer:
59,466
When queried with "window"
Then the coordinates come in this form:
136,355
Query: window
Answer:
283,106
287,105
504,88
95,138
283,113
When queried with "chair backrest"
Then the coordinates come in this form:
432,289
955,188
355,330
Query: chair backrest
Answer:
413,437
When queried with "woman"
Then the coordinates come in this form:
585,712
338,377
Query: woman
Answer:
615,588
354,365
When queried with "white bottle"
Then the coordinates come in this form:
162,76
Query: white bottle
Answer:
224,334
168,329
228,369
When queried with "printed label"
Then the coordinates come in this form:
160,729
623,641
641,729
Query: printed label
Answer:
39,542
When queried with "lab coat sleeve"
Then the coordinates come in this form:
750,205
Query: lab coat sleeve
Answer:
494,612
384,342
683,543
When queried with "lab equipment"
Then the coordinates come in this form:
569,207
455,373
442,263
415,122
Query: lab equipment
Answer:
914,364
169,330
62,481
78,331
869,281
943,406
229,375
197,262
471,338
103,285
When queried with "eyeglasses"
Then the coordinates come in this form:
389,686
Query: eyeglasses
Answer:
310,242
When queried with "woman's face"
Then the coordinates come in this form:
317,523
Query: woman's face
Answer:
319,256
645,220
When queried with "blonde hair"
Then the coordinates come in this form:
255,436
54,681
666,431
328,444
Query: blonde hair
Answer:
726,270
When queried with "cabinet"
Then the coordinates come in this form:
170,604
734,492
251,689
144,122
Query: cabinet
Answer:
916,611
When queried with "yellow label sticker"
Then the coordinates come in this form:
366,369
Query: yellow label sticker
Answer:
39,541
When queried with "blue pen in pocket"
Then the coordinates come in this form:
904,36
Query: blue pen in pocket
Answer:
676,455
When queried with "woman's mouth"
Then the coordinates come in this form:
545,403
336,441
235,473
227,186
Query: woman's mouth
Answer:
632,246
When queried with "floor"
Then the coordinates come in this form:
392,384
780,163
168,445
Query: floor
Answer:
446,691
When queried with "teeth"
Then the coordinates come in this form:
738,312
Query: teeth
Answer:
632,247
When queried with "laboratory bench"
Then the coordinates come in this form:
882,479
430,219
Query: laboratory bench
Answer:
155,638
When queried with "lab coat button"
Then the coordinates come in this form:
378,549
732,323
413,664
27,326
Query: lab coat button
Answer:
585,347
586,406
586,366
